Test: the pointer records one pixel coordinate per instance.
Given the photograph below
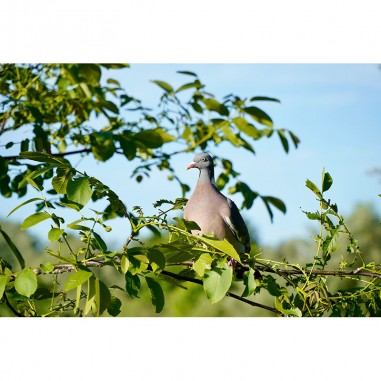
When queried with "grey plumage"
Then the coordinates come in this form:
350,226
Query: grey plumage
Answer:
212,211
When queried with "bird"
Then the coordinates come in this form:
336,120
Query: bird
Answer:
213,212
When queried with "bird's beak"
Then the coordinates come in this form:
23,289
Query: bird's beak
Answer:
191,165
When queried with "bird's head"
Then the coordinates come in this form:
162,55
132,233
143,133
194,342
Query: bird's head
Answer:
201,161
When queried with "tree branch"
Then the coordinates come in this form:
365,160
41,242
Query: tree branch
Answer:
60,154
198,281
359,272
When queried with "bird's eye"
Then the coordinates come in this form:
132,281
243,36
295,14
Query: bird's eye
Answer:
203,159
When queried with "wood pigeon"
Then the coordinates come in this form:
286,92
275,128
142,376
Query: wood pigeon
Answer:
212,211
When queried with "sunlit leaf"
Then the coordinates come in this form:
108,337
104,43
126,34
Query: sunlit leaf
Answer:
164,85
249,282
4,279
44,158
34,174
55,234
34,219
79,191
76,279
154,138
246,127
62,178
217,282
259,115
224,246
24,203
313,187
26,282
213,105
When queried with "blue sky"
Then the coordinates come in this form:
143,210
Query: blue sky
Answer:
333,108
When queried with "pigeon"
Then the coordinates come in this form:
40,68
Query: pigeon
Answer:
213,212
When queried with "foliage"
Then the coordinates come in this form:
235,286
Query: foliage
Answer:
58,105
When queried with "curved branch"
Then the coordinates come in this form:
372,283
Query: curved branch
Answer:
240,298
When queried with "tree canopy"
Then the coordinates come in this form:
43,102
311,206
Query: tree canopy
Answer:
66,111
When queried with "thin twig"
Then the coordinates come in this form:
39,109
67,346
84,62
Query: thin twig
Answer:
240,298
359,272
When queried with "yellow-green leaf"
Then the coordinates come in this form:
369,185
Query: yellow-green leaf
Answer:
77,278
34,219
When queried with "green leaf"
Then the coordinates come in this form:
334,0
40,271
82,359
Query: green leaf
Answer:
98,297
113,82
279,204
156,259
246,127
62,178
186,225
75,226
115,66
213,105
90,73
128,147
34,219
283,140
230,135
217,282
76,279
224,246
288,312
132,284
222,180
176,252
196,84
249,282
313,187
102,145
259,115
109,106
327,181
295,139
3,283
13,247
185,72
79,191
34,174
253,99
99,243
154,138
124,264
313,216
164,85
203,263
47,267
157,294
55,234
114,307
26,282
44,158
24,203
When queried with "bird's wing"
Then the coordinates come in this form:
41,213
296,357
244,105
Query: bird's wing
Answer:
237,225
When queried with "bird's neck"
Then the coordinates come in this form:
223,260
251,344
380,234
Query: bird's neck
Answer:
207,175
